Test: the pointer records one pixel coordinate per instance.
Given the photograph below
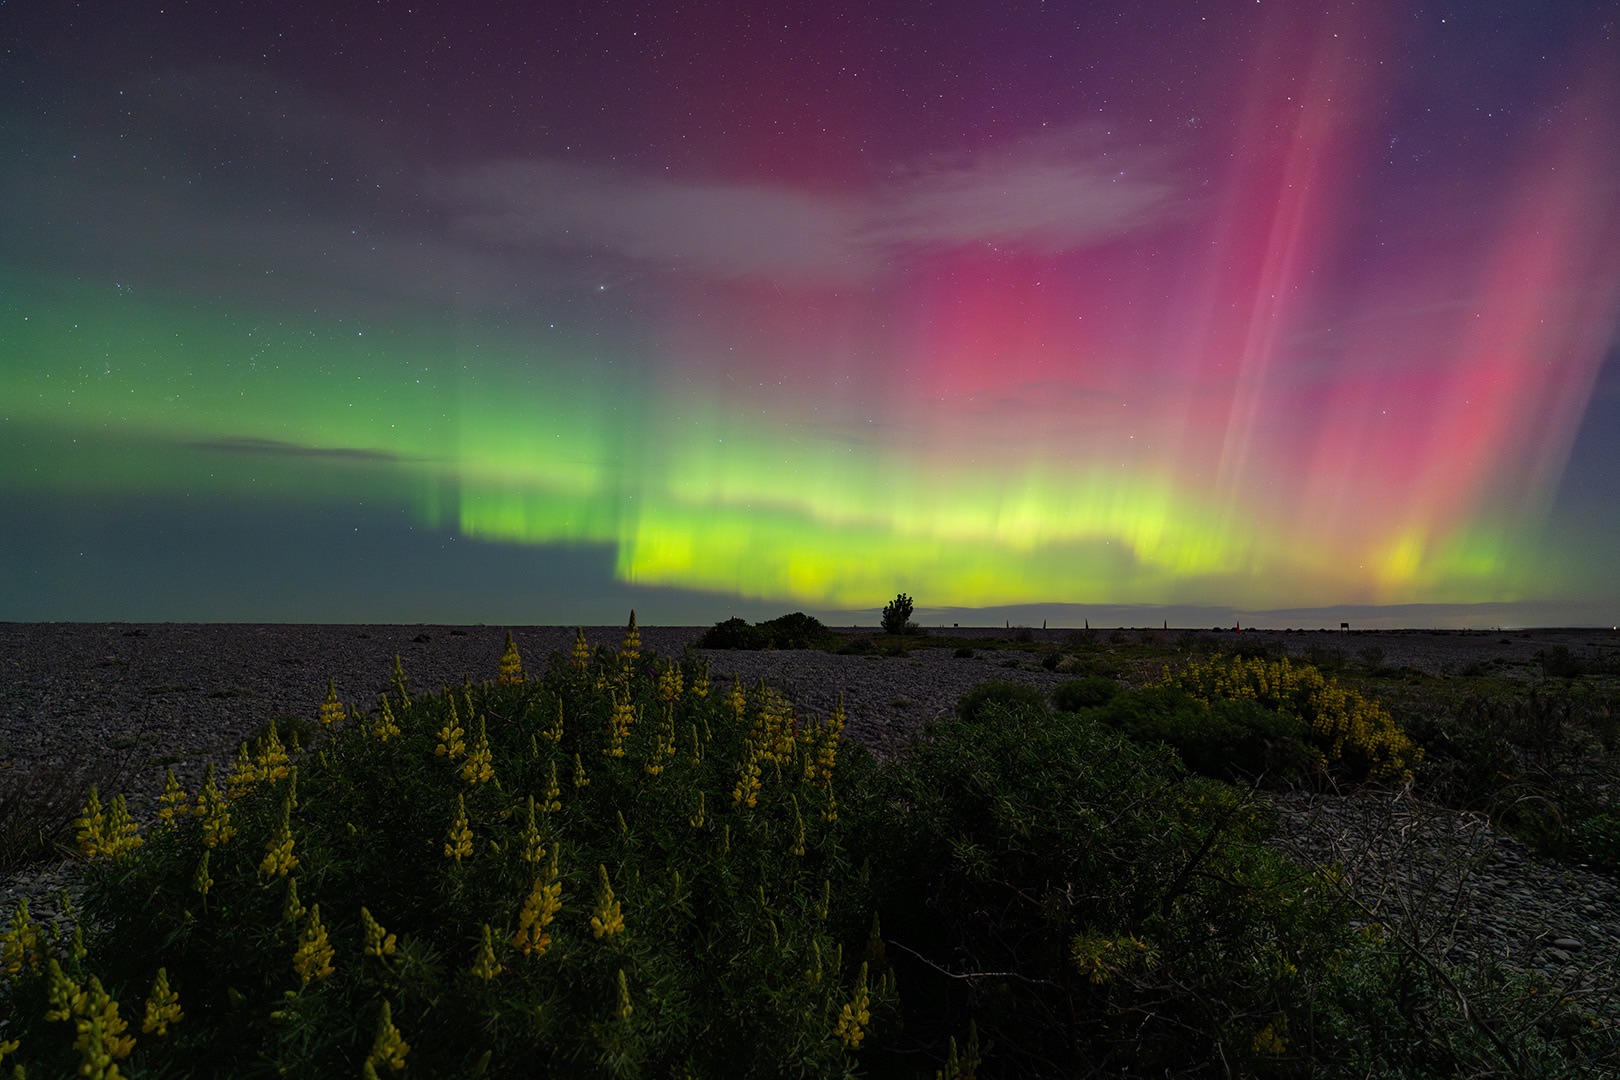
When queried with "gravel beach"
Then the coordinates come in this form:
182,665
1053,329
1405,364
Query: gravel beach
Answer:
188,694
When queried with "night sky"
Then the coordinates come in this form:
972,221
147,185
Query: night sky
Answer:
534,312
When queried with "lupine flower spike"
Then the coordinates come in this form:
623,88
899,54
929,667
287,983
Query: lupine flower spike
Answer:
101,1033
172,803
162,1006
210,806
624,1007
533,849
379,942
580,779
313,959
539,909
279,859
609,916
385,727
92,824
479,766
511,673
553,801
389,1047
630,651
331,708
855,1014
398,683
452,739
580,658
460,834
486,967
19,946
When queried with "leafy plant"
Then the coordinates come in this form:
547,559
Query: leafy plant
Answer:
897,615
607,870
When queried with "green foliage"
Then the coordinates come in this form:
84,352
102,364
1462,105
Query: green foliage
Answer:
1058,885
1087,693
794,631
705,897
1229,739
897,615
1355,737
975,706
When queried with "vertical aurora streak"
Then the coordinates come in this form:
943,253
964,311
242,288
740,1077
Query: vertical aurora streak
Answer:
1271,319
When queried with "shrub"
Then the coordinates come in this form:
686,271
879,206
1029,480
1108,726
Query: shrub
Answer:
1228,739
897,615
1353,736
1057,886
973,707
1077,694
795,631
609,870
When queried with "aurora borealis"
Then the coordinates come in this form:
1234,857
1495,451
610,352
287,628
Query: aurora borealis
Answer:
531,312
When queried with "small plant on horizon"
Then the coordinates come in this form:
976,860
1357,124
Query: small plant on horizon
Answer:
897,615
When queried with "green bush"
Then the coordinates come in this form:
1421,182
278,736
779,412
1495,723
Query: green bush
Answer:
1077,694
973,705
897,615
1229,739
1057,885
609,870
794,631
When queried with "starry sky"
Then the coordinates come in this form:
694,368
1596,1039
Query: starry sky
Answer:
535,312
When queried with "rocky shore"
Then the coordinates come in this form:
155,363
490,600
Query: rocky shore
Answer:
184,695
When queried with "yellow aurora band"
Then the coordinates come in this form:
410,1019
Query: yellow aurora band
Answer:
503,443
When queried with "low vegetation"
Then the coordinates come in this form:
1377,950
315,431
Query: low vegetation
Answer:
618,868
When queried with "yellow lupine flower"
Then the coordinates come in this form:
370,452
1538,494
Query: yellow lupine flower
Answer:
460,834
292,909
608,918
624,1008
279,859
100,1029
533,849
700,682
1270,1039
486,967
699,816
511,673
452,739
244,775
172,802
385,727
379,942
271,760
480,765
389,1047
313,959
855,1014
19,946
211,807
92,824
749,782
670,683
162,1006
541,906
618,726
398,683
580,779
630,651
553,800
554,731
331,709
110,834
580,658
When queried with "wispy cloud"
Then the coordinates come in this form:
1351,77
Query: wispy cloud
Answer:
1050,199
